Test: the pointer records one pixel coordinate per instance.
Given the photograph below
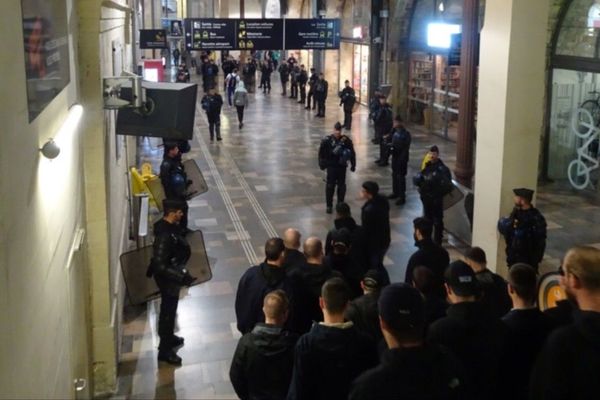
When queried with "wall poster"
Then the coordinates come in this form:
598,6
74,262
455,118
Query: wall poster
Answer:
46,45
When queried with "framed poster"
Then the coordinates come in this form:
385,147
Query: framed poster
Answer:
153,39
46,46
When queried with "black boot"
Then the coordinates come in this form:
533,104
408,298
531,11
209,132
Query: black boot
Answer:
169,357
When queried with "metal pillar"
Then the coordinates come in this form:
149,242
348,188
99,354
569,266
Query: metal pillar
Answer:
468,74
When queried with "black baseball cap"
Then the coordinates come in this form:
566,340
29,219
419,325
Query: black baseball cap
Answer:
401,306
525,193
341,236
372,279
461,279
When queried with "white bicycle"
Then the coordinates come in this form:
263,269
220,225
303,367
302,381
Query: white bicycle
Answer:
579,170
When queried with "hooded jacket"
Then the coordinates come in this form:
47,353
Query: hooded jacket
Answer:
568,365
327,360
262,363
357,238
375,219
432,256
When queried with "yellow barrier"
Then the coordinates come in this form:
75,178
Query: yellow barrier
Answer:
139,182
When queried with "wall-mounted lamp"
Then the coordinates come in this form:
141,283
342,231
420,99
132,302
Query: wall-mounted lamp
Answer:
50,149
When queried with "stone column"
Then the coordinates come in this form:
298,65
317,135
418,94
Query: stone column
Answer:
466,106
510,112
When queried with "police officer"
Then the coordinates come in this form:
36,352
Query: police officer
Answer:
170,253
335,152
302,79
399,148
311,89
321,88
284,76
212,103
434,182
383,121
294,74
347,99
524,231
174,180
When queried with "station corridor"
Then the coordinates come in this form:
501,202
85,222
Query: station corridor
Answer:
263,179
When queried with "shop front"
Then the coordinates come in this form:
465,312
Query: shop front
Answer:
354,67
572,153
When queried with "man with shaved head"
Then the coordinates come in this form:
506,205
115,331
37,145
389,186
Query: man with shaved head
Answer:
263,360
309,279
294,258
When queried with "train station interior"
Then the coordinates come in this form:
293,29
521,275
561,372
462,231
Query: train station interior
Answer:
511,100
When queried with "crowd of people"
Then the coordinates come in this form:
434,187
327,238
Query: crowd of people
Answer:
320,319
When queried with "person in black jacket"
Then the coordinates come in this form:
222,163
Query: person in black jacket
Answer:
343,219
494,295
174,180
264,358
320,92
429,255
400,150
375,220
294,258
528,328
333,353
411,368
524,231
434,182
383,121
302,80
425,281
335,152
170,253
284,76
259,280
568,365
477,339
340,259
308,280
294,74
347,99
212,104
311,89
362,311
265,76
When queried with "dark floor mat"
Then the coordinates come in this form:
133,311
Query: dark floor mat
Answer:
135,263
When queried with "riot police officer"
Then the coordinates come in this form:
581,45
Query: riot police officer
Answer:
320,92
399,148
524,231
434,182
302,80
174,180
170,253
383,121
347,99
335,152
311,89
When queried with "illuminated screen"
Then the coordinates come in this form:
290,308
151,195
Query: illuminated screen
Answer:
439,34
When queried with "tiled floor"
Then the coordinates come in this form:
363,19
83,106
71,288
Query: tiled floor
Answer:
264,179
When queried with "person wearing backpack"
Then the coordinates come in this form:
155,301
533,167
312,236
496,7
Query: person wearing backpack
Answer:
240,100
321,88
231,81
335,151
211,104
347,99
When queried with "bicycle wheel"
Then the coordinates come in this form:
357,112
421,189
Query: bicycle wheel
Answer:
583,122
594,108
579,174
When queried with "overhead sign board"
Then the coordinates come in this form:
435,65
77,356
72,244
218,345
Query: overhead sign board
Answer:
260,34
210,34
153,39
304,34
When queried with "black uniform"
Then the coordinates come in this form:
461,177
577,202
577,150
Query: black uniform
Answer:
435,258
294,74
265,77
568,365
174,182
347,99
170,253
494,294
434,182
302,79
311,90
249,75
212,105
525,234
320,89
400,148
424,372
262,363
334,155
384,121
284,76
